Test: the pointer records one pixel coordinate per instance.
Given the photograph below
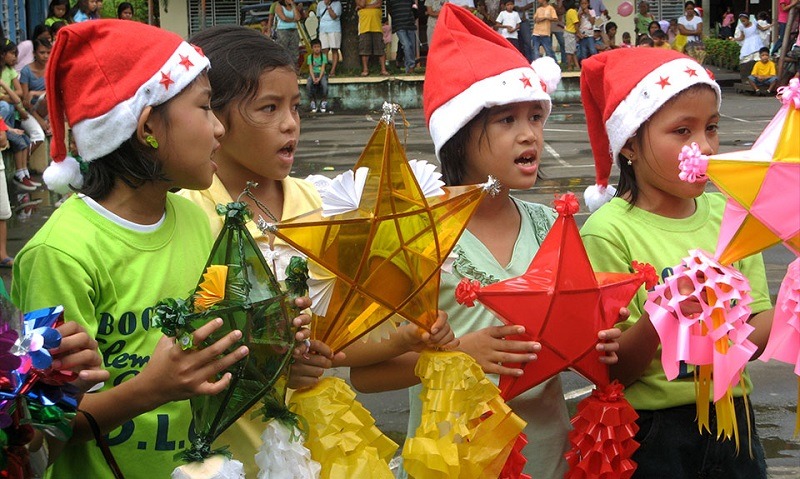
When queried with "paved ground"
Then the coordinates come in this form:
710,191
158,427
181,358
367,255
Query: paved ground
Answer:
332,143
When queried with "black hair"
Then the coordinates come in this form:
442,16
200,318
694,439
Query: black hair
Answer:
316,41
644,40
763,50
7,46
41,42
239,56
649,25
686,5
54,3
627,178
609,26
38,30
763,15
122,7
55,27
568,4
453,154
659,34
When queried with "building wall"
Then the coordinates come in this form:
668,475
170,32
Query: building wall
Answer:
176,17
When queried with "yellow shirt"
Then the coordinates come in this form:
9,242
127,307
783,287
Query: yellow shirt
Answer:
570,21
542,29
369,19
244,436
664,45
761,69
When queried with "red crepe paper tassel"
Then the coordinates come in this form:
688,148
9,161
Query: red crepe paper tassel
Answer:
602,440
516,461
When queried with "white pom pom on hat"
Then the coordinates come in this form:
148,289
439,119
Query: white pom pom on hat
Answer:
620,90
102,89
472,67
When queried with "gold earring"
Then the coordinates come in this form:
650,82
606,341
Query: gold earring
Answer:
151,140
630,162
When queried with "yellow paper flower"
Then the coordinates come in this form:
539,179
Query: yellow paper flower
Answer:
212,289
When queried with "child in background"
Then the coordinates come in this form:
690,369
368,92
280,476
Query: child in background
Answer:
586,31
57,11
256,98
31,79
84,10
543,19
645,41
317,83
763,77
501,135
610,35
125,11
124,242
643,18
764,28
657,218
508,23
13,107
599,43
626,40
6,260
571,24
672,31
660,40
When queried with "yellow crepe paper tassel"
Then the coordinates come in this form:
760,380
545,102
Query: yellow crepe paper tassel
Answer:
212,289
466,429
342,435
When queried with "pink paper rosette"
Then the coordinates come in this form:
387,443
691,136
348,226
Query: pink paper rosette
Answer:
723,293
784,338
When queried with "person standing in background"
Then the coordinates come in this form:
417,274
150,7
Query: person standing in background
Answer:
404,25
524,7
329,14
557,28
643,18
544,16
370,35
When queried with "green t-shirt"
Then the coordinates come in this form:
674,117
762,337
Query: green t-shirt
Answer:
108,277
316,62
542,407
615,236
8,75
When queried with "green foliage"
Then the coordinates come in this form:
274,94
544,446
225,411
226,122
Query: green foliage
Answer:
110,9
722,53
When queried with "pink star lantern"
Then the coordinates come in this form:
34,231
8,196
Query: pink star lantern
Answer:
562,303
761,184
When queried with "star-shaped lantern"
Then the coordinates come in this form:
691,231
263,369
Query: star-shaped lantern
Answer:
762,186
563,304
383,232
237,286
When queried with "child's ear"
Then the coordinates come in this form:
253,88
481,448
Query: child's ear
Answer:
628,150
144,127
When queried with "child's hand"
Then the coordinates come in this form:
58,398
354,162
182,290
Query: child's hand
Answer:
78,353
174,374
490,349
440,337
608,344
310,362
17,131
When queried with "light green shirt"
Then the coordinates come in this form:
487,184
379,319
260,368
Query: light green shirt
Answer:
616,235
542,407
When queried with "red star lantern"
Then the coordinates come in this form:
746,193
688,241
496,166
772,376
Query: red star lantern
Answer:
563,304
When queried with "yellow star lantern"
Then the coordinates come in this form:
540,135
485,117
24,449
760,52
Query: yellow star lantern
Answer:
763,187
383,232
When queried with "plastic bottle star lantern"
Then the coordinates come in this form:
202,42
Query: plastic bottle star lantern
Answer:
237,286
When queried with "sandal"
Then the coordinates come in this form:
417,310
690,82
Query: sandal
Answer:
363,74
7,262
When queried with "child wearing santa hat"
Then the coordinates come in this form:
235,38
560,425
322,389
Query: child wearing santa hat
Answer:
143,126
489,120
642,107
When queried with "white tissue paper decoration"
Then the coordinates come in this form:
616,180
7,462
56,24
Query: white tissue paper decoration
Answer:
343,195
430,180
282,456
214,467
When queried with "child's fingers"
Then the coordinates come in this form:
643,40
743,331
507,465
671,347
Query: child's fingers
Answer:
516,346
203,332
500,332
612,334
494,368
301,321
609,359
78,360
87,378
302,302
506,357
218,348
302,334
212,388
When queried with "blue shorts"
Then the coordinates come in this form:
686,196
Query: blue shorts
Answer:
18,142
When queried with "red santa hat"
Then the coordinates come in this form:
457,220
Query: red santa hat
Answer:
471,67
100,77
620,90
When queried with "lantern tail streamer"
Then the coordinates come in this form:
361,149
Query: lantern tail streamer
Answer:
342,435
466,429
602,439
